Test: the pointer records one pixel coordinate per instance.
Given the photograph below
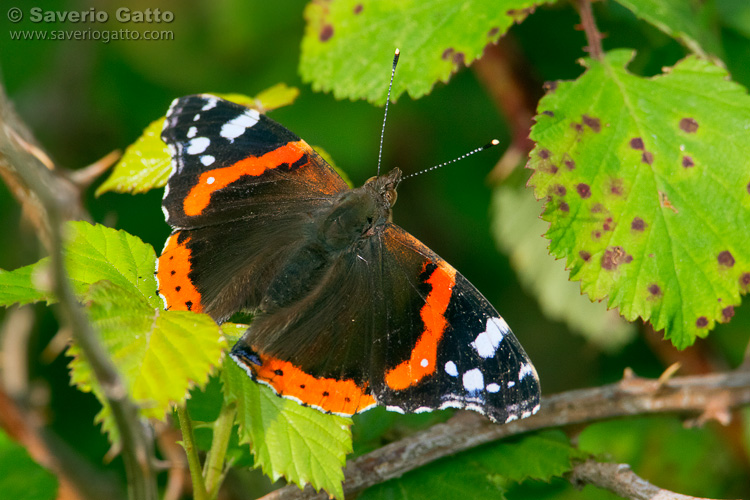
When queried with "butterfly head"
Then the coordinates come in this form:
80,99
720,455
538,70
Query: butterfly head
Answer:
385,186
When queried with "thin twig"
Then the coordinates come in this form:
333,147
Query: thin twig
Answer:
629,397
194,462
619,479
19,154
215,468
593,36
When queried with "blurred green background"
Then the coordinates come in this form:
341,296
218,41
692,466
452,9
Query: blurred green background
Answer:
84,99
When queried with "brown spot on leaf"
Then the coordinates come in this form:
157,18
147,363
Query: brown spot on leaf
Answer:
494,31
647,157
550,86
584,190
598,207
636,143
726,259
553,169
447,53
608,225
654,289
459,58
326,33
596,235
544,154
701,322
617,187
548,113
727,313
745,281
559,190
358,8
613,257
577,126
564,207
570,164
688,125
584,255
592,122
638,224
628,259
687,161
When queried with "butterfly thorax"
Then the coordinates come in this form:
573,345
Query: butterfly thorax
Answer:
357,213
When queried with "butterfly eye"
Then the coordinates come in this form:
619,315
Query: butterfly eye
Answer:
391,196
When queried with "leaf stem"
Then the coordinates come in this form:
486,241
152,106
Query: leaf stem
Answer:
593,36
194,463
214,469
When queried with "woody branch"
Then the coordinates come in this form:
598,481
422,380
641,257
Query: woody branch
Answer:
704,396
51,199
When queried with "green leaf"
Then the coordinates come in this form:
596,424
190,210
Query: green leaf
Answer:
348,45
485,472
275,97
25,285
518,231
647,188
95,252
21,478
690,22
92,253
146,163
287,439
159,354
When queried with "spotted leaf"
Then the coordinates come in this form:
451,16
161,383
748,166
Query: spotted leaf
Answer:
348,44
647,189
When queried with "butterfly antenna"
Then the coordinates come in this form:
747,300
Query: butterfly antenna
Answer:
388,99
491,144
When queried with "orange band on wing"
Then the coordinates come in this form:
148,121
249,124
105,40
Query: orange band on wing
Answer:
424,355
173,268
343,397
213,180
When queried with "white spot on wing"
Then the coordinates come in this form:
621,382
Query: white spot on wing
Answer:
511,383
493,387
473,380
210,180
526,370
450,369
207,160
511,418
535,409
397,409
197,117
210,103
487,342
237,126
191,132
198,145
424,362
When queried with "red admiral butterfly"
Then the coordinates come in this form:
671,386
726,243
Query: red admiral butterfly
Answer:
351,311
